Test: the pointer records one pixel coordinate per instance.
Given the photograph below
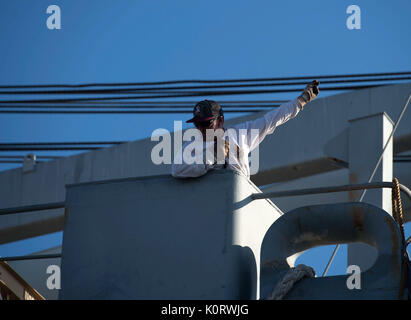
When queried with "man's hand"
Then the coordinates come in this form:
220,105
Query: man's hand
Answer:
224,145
226,148
310,92
221,148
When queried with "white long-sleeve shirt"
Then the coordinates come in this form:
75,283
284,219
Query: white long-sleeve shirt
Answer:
243,136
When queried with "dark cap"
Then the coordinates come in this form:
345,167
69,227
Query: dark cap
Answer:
206,110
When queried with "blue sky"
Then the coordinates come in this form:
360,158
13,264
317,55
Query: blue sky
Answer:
132,41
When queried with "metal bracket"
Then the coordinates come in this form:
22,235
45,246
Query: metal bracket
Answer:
29,163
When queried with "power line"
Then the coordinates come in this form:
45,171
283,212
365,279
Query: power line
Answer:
58,143
19,159
165,89
117,111
22,157
78,106
204,81
15,161
189,103
47,148
188,94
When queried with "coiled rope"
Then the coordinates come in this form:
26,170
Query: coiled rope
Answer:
399,218
397,207
290,278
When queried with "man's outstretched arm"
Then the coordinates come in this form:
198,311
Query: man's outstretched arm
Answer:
272,119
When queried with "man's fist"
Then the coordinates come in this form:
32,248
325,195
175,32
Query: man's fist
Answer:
311,91
222,151
221,148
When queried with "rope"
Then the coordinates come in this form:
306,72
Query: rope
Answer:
399,218
290,278
397,207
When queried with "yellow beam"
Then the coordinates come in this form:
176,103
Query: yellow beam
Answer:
14,286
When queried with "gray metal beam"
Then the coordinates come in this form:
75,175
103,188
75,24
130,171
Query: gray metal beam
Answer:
368,137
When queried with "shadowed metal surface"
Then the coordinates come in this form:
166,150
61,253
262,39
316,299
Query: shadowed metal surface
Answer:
195,241
311,226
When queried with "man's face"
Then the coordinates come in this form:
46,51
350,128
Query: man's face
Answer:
213,124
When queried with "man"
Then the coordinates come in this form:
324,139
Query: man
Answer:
239,140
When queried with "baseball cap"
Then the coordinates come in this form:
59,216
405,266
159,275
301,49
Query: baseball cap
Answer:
206,110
